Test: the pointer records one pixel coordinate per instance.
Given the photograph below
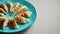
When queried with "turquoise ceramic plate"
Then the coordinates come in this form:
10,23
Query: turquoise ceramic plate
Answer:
23,26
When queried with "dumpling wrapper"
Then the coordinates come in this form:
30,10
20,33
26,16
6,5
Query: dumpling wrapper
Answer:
20,19
4,7
18,5
3,23
12,23
24,8
11,6
25,14
2,15
20,10
15,10
2,11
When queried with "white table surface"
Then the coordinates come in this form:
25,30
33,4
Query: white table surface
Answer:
48,17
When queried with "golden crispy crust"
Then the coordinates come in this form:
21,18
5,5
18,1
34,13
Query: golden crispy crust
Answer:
12,23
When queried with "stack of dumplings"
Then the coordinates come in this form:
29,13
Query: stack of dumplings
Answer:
21,15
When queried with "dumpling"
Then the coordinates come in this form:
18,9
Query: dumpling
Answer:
21,10
4,7
20,19
3,23
25,14
18,6
12,23
2,11
24,7
10,6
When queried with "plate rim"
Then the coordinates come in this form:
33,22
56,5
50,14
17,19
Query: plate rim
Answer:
26,27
